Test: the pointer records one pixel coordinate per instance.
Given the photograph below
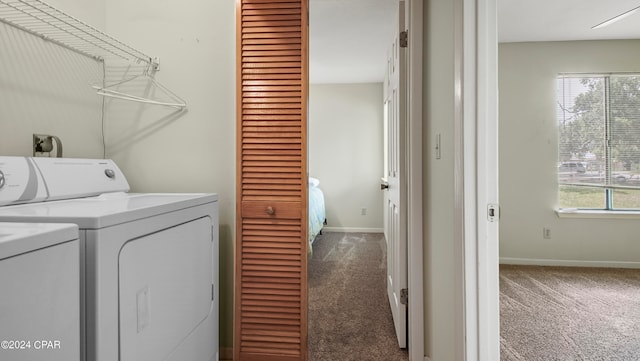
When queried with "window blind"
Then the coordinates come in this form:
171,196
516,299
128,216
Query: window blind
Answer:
599,141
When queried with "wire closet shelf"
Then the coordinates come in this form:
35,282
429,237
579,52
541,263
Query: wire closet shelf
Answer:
43,20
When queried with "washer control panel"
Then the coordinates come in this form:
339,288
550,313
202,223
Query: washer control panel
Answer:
20,182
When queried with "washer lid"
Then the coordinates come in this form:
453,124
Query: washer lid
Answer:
104,210
18,238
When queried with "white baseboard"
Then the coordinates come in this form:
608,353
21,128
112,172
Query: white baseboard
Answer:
568,263
226,354
426,358
353,230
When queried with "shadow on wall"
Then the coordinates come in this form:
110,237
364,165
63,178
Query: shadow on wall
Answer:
45,89
226,267
130,121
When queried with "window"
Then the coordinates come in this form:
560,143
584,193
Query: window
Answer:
599,141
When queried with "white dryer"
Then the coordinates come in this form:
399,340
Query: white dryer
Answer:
149,261
39,292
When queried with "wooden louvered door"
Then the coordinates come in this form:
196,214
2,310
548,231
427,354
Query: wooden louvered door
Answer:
271,234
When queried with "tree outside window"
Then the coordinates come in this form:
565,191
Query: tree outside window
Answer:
599,141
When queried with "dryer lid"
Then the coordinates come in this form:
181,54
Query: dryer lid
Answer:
108,209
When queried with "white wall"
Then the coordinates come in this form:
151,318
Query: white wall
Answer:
45,89
442,298
529,151
346,153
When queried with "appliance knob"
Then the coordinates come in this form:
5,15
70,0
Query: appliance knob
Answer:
110,173
1,179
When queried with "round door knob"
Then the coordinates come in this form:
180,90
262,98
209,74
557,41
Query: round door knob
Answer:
270,211
1,179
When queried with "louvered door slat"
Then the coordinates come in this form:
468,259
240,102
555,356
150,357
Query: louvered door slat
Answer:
271,243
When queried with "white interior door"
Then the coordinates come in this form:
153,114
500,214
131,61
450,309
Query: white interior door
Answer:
395,181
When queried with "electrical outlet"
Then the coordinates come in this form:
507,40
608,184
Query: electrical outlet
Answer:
363,211
546,233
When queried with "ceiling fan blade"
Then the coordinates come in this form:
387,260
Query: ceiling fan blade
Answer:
616,18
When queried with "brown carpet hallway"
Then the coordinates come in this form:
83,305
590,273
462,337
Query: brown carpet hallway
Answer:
569,313
349,314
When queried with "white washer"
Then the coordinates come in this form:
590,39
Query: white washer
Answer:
150,270
39,292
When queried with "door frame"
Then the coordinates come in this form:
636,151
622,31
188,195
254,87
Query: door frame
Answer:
477,52
415,218
477,156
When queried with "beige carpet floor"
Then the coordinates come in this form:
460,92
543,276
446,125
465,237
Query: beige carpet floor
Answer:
349,314
566,314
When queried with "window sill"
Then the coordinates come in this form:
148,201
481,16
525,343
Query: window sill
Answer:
600,214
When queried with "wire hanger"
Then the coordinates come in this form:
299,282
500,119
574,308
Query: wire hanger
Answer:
107,91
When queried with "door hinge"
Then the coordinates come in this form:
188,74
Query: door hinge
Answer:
213,292
404,296
404,39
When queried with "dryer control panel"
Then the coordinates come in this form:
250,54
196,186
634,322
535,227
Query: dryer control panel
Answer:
31,179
